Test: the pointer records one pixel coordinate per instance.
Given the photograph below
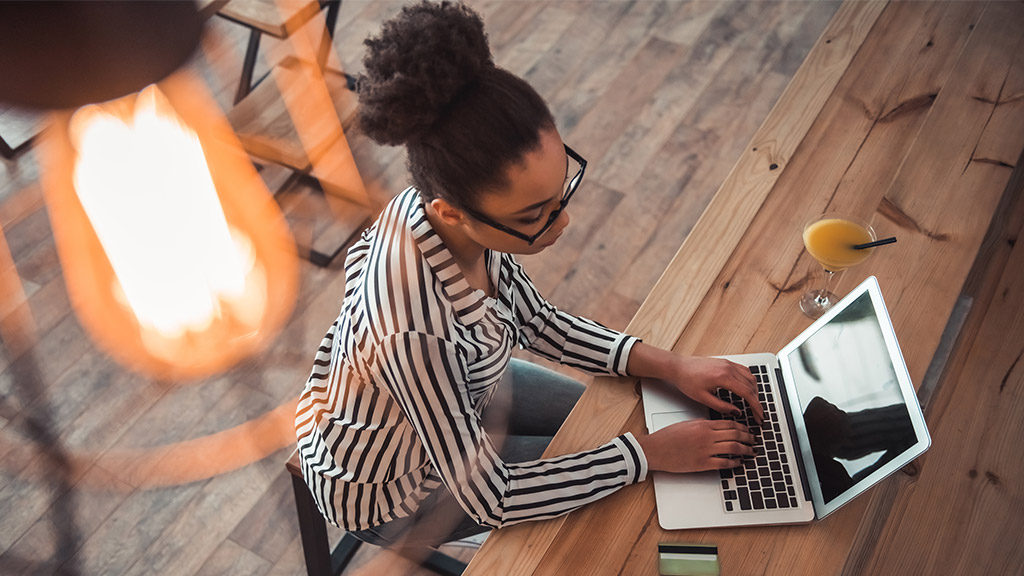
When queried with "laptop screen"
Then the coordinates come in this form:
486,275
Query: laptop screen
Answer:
855,413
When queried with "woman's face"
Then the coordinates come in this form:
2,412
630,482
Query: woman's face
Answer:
535,189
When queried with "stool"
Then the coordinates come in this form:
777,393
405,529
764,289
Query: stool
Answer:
320,559
325,180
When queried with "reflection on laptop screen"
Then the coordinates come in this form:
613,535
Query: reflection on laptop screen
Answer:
854,412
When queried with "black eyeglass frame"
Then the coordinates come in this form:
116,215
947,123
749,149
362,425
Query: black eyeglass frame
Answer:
569,191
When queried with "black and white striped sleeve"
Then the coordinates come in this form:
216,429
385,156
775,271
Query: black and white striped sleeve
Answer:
562,337
428,377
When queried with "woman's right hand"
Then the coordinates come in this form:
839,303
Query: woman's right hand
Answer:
696,445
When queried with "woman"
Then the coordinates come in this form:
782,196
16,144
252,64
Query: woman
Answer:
415,426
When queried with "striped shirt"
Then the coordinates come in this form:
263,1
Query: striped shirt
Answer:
392,407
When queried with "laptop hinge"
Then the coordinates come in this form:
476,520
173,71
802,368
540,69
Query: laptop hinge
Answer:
792,434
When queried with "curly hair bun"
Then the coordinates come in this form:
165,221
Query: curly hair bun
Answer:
421,62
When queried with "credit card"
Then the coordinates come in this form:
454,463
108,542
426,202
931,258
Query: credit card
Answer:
676,559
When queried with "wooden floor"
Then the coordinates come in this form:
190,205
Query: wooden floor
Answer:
659,96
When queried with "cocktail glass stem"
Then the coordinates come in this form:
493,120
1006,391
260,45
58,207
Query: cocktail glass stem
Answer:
824,295
816,302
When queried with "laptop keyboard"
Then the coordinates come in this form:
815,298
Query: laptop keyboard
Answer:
764,482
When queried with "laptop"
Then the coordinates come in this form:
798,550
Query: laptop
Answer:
840,415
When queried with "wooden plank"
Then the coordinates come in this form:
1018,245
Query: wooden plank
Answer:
548,27
959,386
31,484
17,326
924,202
231,558
125,535
562,61
738,44
687,23
278,18
41,265
973,467
981,287
291,562
19,204
794,52
626,96
220,503
506,22
143,521
83,509
64,400
272,523
46,466
989,270
24,235
177,415
114,408
116,403
592,80
63,346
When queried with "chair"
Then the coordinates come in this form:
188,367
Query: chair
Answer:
320,559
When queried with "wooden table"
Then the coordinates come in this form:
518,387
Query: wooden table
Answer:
909,115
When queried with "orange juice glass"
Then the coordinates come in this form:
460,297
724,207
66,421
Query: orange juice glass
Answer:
830,239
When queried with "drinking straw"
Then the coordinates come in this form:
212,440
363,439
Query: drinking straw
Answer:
881,242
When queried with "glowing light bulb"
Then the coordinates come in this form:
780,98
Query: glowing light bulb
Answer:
176,257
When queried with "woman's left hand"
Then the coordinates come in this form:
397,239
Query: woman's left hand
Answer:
700,379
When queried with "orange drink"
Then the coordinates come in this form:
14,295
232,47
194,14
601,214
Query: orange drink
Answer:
830,241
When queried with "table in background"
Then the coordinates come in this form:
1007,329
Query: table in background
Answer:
909,115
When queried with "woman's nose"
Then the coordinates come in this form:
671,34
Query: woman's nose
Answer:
562,221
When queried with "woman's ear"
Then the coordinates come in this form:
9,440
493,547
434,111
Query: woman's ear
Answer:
449,214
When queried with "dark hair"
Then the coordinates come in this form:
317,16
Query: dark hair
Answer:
431,84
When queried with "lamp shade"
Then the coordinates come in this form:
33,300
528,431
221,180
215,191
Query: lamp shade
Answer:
56,55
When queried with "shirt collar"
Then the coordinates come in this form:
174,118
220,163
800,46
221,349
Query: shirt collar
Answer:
469,304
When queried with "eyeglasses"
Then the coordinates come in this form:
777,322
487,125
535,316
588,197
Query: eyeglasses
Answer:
570,189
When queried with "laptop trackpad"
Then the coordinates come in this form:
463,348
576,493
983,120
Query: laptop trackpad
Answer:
660,420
